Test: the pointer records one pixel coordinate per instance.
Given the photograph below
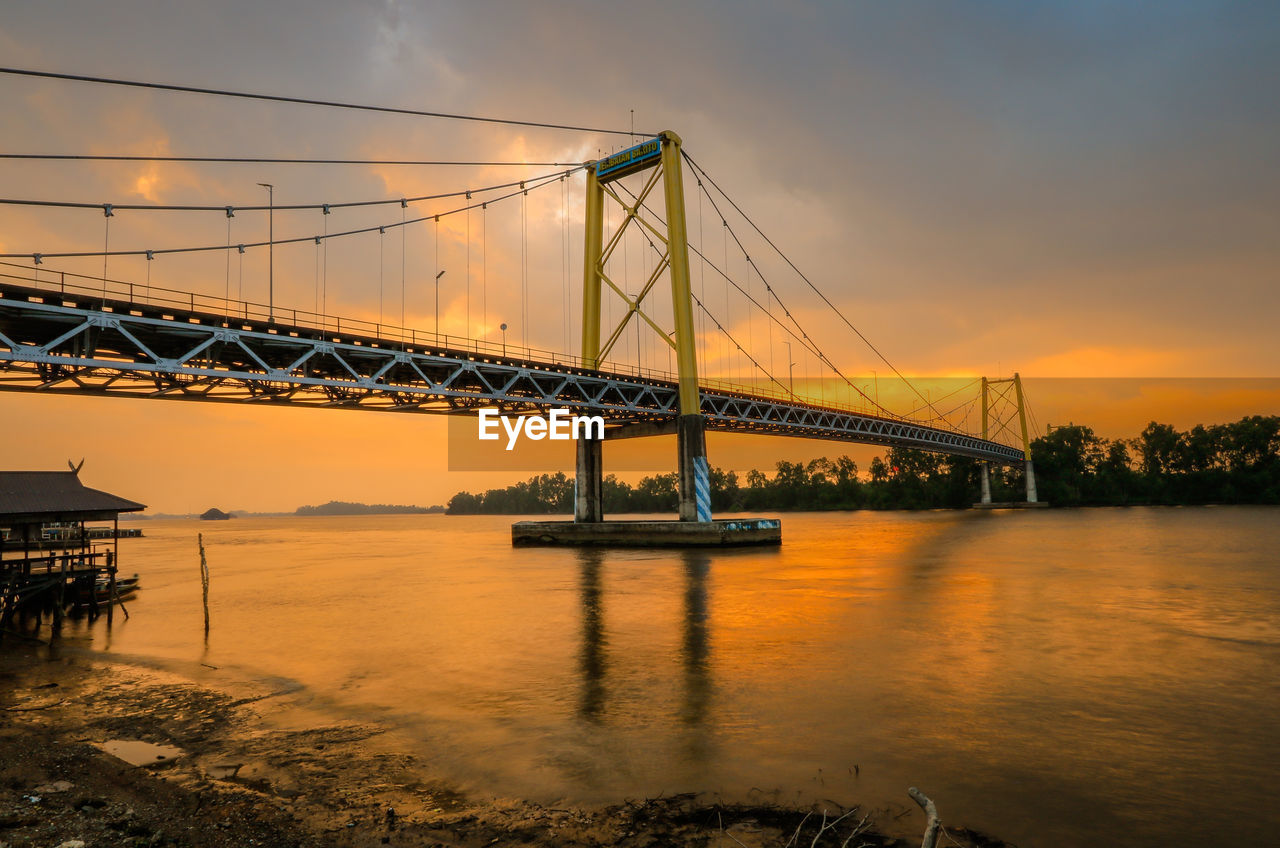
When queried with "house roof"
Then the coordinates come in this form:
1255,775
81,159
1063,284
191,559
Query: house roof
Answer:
28,497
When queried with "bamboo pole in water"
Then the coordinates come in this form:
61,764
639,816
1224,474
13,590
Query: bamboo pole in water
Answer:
204,583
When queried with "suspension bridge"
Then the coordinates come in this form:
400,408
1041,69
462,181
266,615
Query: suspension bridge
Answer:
69,332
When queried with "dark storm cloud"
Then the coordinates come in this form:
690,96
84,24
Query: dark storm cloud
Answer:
1102,171
1074,188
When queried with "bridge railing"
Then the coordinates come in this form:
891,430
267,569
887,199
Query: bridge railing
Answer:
250,315
260,316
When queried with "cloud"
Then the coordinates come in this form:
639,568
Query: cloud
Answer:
1071,189
1115,361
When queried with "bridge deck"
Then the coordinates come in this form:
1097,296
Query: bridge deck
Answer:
57,339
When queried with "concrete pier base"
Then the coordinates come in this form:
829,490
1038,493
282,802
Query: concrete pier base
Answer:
721,532
1012,505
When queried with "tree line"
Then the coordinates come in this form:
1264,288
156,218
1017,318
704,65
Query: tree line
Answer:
347,508
1236,463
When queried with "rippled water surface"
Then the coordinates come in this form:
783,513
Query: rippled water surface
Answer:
1058,678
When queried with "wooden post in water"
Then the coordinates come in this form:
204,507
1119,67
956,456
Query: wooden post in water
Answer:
7,595
59,595
115,593
4,591
94,608
113,560
204,583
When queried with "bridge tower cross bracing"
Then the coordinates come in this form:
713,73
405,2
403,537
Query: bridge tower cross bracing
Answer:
1026,440
1020,402
986,425
661,156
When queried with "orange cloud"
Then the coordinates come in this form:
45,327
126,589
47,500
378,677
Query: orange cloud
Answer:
1114,361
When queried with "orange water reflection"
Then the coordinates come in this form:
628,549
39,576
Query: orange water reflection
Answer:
1056,677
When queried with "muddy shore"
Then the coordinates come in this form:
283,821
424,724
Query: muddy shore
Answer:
240,780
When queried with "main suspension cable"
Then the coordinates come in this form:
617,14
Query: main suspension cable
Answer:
269,160
807,341
39,257
752,359
152,207
766,372
804,339
809,282
306,101
941,398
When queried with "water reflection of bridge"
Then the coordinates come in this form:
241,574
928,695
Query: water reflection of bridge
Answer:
594,661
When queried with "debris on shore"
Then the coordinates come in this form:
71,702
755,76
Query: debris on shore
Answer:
199,768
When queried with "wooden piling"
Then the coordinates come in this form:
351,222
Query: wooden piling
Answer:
204,583
59,599
6,612
95,608
111,587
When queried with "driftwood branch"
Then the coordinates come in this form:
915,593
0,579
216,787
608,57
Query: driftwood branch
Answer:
933,825
829,826
862,826
33,709
799,827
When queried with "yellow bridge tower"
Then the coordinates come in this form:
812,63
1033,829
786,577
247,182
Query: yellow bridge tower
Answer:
661,155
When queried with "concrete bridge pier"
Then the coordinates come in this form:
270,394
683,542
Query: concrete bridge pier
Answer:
588,500
695,473
1032,500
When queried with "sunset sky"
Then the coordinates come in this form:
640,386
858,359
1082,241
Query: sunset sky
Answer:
1074,190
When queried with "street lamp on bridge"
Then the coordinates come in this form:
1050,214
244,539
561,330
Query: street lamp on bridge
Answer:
791,373
438,276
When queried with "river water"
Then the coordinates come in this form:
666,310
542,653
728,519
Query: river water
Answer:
1057,678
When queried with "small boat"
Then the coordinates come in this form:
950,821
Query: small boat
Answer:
123,584
126,588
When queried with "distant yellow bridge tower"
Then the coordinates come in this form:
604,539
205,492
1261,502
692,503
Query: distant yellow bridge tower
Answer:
1013,384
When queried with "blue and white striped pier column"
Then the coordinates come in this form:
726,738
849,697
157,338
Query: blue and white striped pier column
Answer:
702,486
695,473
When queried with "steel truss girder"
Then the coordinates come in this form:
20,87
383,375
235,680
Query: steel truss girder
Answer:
758,415
59,348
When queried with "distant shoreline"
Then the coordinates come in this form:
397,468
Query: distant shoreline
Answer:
783,510
332,508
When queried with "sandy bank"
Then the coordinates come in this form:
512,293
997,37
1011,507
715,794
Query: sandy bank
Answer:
242,781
